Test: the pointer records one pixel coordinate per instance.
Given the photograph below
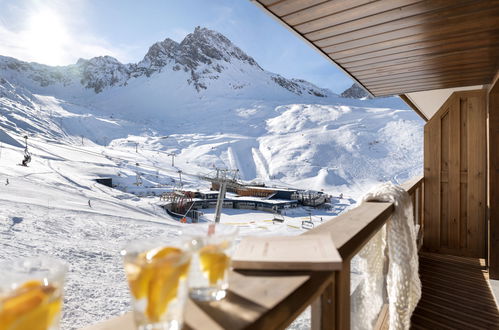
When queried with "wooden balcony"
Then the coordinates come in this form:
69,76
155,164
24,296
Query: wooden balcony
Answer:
456,294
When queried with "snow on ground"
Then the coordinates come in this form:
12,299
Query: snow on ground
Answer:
54,207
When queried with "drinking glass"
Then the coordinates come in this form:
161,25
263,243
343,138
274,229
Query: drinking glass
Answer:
31,293
213,246
157,276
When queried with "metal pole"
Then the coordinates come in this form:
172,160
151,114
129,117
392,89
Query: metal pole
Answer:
221,194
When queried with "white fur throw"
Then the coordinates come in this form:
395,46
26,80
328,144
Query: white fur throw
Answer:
391,252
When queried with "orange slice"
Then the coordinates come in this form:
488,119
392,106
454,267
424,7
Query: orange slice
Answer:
140,272
163,287
29,307
214,262
155,276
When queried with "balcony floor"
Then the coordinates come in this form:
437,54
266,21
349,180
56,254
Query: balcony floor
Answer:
456,294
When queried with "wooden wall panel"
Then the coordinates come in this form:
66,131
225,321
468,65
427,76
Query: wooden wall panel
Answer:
493,177
477,158
455,176
444,179
432,184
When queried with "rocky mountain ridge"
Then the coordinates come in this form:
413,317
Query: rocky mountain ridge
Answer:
204,55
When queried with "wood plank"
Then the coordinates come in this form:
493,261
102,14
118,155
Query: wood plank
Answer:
418,41
427,87
482,67
321,10
463,163
493,177
452,45
324,309
287,7
430,14
431,86
271,2
353,14
445,177
454,174
444,167
392,15
476,173
351,230
446,60
422,81
451,62
409,35
342,297
478,64
412,185
432,184
456,300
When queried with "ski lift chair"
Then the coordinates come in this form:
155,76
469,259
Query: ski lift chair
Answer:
27,158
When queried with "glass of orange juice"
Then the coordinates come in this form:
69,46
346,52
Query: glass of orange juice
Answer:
31,291
157,277
213,245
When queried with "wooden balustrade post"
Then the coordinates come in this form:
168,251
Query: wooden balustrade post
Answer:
414,197
331,311
323,313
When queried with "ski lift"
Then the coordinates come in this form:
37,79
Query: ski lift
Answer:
278,218
27,154
306,224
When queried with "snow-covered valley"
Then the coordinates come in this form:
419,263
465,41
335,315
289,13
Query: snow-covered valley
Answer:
211,105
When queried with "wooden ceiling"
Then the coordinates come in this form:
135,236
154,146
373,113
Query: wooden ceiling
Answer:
400,46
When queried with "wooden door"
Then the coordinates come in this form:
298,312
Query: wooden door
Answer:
455,154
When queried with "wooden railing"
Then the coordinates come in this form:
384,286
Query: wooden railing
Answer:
350,232
272,300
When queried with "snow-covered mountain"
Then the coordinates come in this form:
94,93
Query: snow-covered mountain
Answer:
203,99
203,57
267,125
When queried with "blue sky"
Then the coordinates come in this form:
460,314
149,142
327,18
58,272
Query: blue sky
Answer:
58,32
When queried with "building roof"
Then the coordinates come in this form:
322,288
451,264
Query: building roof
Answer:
399,46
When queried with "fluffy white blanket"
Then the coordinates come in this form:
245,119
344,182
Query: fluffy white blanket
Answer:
392,254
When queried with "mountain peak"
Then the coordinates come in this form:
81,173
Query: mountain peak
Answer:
355,92
204,46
